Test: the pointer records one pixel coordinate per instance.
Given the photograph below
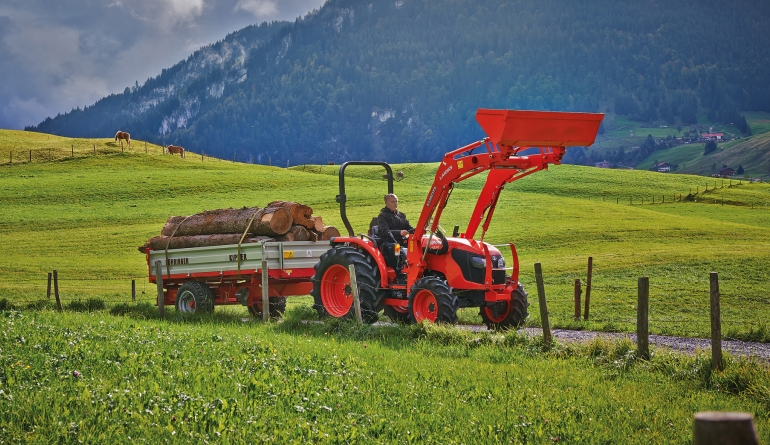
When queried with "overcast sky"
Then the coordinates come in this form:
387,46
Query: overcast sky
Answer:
62,54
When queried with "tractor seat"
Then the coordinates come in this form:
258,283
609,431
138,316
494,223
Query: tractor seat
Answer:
374,230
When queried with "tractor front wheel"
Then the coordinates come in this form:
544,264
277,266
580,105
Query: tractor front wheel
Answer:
194,296
430,299
507,314
332,292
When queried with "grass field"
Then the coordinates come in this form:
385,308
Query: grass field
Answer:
225,378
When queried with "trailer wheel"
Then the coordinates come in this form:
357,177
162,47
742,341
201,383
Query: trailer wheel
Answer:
277,307
194,296
399,314
332,294
430,299
507,314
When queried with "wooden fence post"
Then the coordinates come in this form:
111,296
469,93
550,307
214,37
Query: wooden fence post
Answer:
56,289
642,326
94,149
543,307
159,282
73,150
716,324
48,293
145,147
30,156
578,291
133,290
724,428
588,286
265,292
354,291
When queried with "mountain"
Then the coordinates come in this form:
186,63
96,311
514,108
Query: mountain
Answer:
400,80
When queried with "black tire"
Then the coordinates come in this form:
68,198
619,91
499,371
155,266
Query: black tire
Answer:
395,315
507,315
277,307
331,293
430,299
193,297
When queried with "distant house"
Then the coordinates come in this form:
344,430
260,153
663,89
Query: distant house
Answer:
712,136
724,172
663,167
603,164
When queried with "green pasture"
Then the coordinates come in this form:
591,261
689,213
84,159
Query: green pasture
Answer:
122,375
106,378
85,217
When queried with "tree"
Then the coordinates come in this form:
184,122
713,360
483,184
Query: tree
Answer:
740,170
710,147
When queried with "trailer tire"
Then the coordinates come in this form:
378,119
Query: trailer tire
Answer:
398,315
430,299
331,293
194,297
277,307
509,314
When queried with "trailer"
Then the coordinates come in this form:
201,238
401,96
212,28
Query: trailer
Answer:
199,278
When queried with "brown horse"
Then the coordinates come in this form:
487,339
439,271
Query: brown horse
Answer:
175,149
123,135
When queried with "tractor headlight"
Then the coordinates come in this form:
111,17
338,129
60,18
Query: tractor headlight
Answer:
479,261
501,263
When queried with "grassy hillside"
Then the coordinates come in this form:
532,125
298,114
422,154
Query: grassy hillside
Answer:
753,154
86,216
100,377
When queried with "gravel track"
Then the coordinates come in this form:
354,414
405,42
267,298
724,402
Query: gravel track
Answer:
682,344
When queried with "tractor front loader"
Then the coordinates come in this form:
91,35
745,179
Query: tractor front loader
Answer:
441,274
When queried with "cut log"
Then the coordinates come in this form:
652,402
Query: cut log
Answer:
318,224
313,236
300,233
300,213
329,232
272,221
210,222
268,222
181,242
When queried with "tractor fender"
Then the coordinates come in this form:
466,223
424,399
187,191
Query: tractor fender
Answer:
379,258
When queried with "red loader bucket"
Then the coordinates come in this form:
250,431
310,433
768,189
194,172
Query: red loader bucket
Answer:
515,128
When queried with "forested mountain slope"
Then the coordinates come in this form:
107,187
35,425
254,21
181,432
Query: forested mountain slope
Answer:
400,80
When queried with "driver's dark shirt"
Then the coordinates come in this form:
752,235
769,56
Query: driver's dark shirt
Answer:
392,223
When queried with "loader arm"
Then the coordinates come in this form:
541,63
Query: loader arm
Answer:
508,133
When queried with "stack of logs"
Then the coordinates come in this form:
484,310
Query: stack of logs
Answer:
278,221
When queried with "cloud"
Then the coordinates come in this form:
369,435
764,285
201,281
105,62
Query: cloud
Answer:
56,56
258,8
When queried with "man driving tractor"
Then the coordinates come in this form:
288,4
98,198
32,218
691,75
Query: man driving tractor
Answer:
393,229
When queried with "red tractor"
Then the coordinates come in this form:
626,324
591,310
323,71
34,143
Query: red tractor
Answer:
441,274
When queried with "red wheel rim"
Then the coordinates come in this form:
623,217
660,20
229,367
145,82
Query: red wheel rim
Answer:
502,314
425,306
335,291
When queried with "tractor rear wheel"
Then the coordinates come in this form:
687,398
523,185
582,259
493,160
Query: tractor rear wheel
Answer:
332,293
430,299
277,307
399,314
194,296
507,314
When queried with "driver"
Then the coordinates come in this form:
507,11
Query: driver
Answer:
393,228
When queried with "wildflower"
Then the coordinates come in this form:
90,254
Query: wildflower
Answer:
75,374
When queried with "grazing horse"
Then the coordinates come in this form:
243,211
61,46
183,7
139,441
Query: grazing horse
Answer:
123,135
175,149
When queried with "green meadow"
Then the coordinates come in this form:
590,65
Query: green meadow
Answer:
119,374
